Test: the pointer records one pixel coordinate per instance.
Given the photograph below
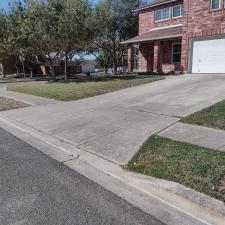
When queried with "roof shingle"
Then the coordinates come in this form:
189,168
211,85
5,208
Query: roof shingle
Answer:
157,34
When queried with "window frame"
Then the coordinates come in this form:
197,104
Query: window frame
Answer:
161,10
176,43
211,9
180,5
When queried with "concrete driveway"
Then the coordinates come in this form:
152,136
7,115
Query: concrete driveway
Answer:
115,125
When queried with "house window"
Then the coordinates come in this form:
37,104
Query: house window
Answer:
162,14
178,11
176,53
215,4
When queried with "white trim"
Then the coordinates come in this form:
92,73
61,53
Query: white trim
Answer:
152,39
211,9
168,18
153,5
176,17
170,26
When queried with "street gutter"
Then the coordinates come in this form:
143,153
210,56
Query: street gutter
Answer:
167,201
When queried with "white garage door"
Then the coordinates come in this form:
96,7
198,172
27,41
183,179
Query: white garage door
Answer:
209,56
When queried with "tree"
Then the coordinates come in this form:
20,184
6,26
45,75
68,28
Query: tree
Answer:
115,23
75,29
103,57
44,32
53,30
18,32
5,43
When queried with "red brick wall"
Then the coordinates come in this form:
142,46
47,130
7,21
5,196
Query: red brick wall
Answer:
146,54
167,47
198,21
202,22
147,21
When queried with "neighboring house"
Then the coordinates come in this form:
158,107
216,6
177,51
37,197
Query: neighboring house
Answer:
88,66
180,35
59,67
8,66
12,66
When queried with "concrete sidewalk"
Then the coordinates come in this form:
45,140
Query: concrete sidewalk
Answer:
198,135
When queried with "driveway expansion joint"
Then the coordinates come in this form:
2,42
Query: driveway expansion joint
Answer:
146,111
167,127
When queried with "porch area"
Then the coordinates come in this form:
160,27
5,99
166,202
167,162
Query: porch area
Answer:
161,50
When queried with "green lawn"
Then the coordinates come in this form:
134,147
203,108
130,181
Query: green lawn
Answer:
78,90
213,116
7,80
193,166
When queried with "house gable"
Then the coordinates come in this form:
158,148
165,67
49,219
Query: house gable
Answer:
147,17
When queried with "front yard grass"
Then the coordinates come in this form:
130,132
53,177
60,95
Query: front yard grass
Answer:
193,166
78,90
213,116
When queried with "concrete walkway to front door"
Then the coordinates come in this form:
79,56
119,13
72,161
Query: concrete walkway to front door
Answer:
114,125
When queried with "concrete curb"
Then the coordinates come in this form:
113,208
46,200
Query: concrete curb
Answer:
213,205
184,201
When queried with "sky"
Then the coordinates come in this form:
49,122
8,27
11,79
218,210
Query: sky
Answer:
4,3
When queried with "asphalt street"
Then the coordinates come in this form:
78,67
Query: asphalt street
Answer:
37,190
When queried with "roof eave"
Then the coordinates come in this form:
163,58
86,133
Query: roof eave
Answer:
152,5
151,39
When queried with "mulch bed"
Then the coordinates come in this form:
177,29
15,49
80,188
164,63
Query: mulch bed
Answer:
8,104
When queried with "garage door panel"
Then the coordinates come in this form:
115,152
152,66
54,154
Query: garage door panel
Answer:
209,56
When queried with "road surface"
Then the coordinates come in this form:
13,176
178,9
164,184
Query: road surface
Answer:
35,189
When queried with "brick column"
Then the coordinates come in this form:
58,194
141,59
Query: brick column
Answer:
184,55
156,59
130,58
185,47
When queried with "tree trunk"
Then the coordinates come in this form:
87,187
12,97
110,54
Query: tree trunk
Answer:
3,71
115,68
52,72
106,69
17,71
24,73
31,72
66,67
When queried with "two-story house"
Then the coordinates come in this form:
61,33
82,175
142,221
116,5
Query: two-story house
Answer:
180,35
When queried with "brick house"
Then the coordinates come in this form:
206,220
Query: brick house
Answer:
180,35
